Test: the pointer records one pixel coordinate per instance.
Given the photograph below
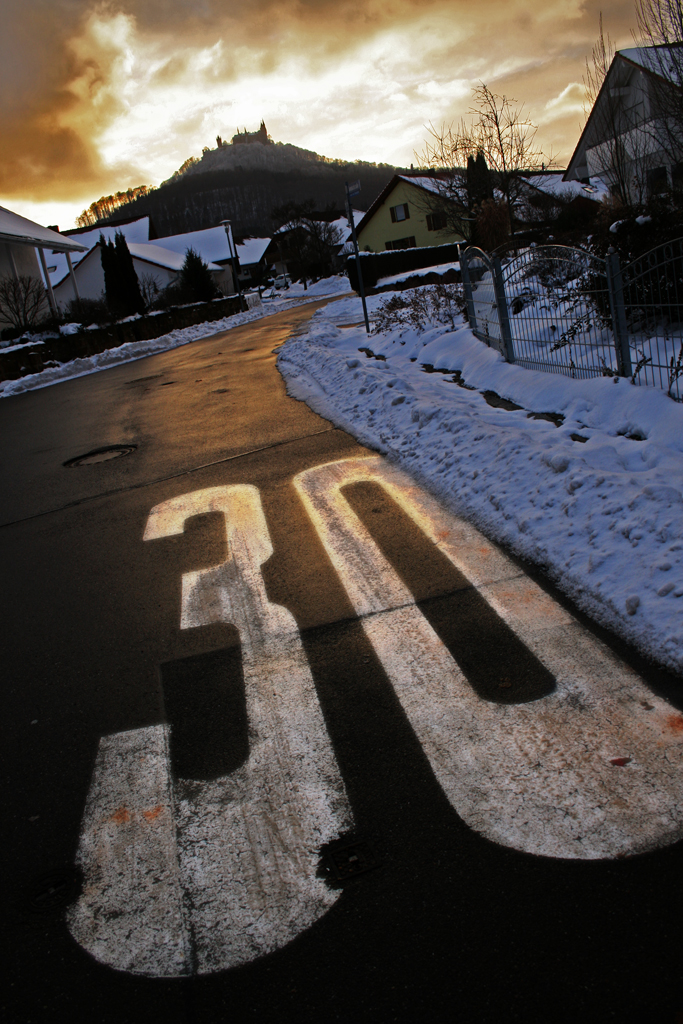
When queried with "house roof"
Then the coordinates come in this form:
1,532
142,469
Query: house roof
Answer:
251,250
19,230
132,231
210,243
553,183
658,60
147,252
150,252
647,58
426,182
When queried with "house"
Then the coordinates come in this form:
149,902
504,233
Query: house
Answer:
137,230
150,261
21,239
289,240
213,245
252,262
626,140
402,217
543,197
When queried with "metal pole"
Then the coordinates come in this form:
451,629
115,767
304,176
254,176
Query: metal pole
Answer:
73,278
467,287
48,285
615,287
503,315
228,231
361,289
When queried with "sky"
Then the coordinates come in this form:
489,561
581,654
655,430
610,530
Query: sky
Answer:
101,96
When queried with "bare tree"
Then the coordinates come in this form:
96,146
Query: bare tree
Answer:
149,289
660,27
309,240
608,119
23,301
499,130
597,67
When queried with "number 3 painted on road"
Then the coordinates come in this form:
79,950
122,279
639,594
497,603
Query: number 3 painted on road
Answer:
187,876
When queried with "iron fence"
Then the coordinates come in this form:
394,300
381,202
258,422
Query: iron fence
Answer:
565,310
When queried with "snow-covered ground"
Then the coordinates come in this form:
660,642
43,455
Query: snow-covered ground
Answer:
602,513
133,350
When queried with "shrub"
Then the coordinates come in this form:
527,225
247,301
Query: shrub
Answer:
87,311
422,308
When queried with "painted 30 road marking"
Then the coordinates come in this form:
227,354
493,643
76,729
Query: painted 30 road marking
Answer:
186,876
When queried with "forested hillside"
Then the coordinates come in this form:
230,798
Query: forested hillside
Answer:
202,193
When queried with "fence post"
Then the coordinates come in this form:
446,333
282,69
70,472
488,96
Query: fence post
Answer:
615,287
467,288
502,305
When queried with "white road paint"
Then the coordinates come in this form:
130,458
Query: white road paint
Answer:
130,912
193,876
538,777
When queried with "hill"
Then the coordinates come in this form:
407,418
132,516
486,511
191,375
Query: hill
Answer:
243,183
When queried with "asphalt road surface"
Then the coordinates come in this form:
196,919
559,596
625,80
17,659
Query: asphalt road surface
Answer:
285,741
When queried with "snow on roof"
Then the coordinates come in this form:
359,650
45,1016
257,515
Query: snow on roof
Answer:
22,231
427,182
553,184
211,243
657,59
251,250
134,231
153,253
150,252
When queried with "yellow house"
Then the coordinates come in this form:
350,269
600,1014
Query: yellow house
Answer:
401,217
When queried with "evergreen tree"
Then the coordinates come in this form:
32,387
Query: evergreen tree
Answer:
196,283
479,185
131,297
110,268
121,284
471,181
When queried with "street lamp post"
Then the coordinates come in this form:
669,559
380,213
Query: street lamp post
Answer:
228,232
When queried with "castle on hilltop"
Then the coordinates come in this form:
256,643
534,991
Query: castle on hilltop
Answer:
260,136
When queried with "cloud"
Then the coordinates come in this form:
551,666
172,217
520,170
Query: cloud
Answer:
100,96
570,101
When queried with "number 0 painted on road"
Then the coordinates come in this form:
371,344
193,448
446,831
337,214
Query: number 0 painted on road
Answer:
538,777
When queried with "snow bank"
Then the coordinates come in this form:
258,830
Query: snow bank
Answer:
602,513
440,268
327,286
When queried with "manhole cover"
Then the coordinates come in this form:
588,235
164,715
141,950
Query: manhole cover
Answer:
110,451
51,892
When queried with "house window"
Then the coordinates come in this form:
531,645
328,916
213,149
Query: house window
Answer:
677,176
401,243
399,212
657,181
436,221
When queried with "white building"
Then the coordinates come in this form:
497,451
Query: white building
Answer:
21,239
626,139
150,261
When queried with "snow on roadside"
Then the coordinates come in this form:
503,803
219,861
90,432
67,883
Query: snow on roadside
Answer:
604,517
133,350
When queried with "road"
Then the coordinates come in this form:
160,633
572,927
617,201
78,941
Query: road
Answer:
284,740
